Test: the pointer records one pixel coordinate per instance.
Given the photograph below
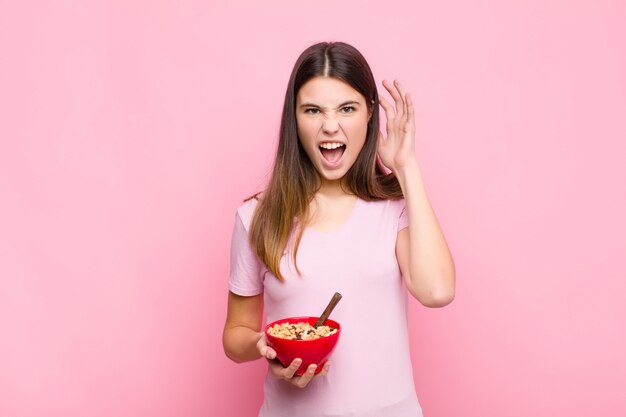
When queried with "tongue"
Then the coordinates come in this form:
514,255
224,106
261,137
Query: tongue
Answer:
332,155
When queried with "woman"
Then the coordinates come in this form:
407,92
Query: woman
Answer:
344,211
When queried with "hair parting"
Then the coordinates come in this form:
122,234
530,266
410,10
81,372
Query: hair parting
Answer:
282,211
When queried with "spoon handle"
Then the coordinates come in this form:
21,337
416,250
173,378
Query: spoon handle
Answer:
329,308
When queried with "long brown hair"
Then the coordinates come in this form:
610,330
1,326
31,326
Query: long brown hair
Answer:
294,181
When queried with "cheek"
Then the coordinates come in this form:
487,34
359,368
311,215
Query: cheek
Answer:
307,131
357,130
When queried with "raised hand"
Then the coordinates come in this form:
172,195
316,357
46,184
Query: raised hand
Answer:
397,150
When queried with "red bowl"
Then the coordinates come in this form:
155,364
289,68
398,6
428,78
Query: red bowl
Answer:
310,351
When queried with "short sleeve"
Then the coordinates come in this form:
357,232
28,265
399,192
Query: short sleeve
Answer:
403,222
246,272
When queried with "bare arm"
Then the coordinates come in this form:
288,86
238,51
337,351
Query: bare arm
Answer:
242,328
423,255
421,249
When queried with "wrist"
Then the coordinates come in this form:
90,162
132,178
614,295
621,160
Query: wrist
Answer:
406,170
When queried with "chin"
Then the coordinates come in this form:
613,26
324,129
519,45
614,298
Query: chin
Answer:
333,176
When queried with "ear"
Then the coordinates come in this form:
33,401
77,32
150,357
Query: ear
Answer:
370,110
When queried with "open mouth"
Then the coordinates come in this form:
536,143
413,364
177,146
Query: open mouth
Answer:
332,151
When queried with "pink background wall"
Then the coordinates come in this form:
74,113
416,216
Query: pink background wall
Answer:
130,131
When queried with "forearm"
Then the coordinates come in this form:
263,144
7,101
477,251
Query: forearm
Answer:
240,343
431,275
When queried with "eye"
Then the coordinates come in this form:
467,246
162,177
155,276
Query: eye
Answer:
311,110
348,109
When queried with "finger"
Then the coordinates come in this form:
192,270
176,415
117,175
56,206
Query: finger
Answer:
391,88
390,113
289,371
399,87
262,341
270,353
277,369
325,369
403,94
395,94
307,376
410,112
264,350
381,139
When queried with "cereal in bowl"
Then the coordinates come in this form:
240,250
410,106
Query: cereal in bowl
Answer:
300,331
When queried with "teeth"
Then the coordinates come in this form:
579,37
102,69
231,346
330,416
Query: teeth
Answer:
331,145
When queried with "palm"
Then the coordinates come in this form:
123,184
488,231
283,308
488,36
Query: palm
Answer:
398,148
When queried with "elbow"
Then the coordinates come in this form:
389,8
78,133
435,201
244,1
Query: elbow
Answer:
438,299
229,350
441,288
233,357
229,354
439,293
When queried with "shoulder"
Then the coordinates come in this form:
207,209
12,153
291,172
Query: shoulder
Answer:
246,211
389,215
385,206
398,204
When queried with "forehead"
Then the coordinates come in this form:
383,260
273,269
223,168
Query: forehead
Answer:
327,91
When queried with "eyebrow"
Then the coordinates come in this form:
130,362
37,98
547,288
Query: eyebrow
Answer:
351,102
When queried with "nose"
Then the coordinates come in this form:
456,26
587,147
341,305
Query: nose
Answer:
330,125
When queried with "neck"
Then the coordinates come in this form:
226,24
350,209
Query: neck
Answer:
332,189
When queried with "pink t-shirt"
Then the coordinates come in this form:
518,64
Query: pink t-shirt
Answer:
371,372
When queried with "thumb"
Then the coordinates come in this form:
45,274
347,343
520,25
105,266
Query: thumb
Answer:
264,349
270,353
267,352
